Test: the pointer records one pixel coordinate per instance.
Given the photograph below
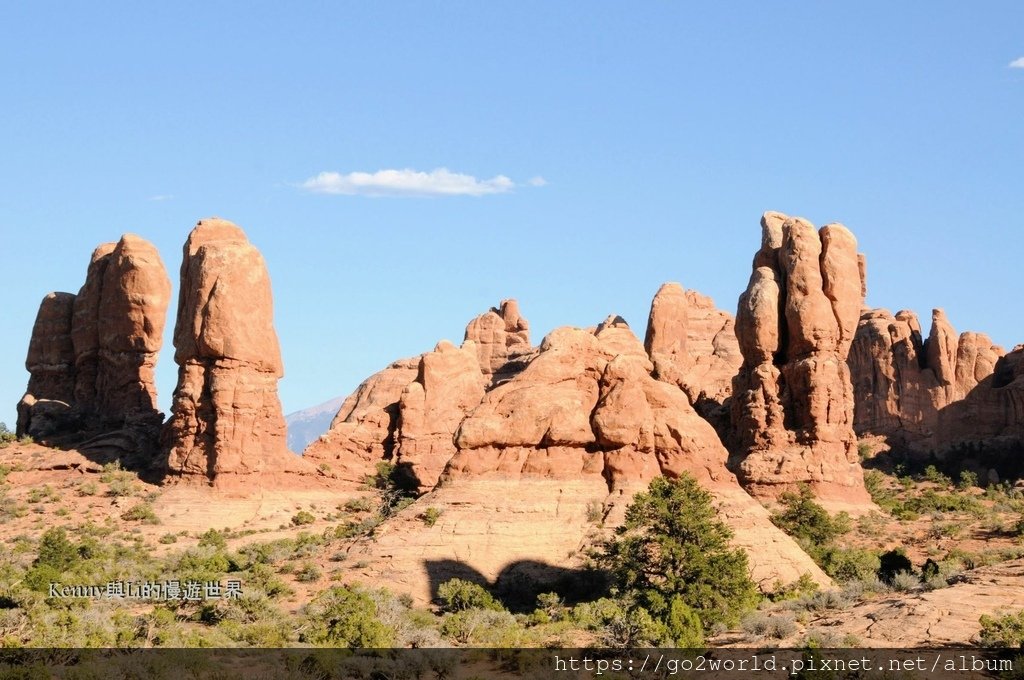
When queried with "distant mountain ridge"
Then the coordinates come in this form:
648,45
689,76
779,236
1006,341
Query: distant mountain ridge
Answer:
306,425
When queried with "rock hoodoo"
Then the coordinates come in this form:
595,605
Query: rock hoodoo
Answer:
226,416
92,356
792,407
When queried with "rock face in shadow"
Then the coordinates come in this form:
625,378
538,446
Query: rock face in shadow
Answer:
903,382
560,448
792,406
226,418
92,356
693,345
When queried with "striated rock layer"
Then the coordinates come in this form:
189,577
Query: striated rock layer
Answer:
792,406
92,356
226,418
556,451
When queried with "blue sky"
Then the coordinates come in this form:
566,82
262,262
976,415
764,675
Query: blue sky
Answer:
592,152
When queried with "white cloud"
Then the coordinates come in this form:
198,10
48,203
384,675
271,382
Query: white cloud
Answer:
160,197
407,182
537,181
1017,63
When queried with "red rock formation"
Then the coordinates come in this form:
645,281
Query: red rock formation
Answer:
51,366
108,340
693,346
586,414
502,340
449,384
792,406
226,417
363,432
901,383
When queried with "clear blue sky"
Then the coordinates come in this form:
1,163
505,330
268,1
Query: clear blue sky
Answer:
662,131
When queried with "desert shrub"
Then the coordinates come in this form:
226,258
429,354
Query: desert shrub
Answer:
595,512
56,550
302,518
308,573
6,436
458,595
212,538
804,519
905,582
88,489
143,512
893,562
361,504
167,539
863,450
848,564
430,516
804,586
486,627
345,617
671,545
968,480
932,474
1006,630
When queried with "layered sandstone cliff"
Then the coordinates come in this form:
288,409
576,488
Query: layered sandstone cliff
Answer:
792,406
226,418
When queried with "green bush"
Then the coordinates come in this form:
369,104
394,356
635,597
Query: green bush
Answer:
6,436
458,595
308,573
143,512
345,617
213,539
1002,631
805,520
56,551
430,516
673,545
302,518
892,563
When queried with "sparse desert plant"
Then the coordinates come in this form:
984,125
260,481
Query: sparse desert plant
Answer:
430,516
905,582
6,436
1006,630
143,512
88,489
864,450
302,518
967,480
308,573
595,512
167,539
361,504
213,539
